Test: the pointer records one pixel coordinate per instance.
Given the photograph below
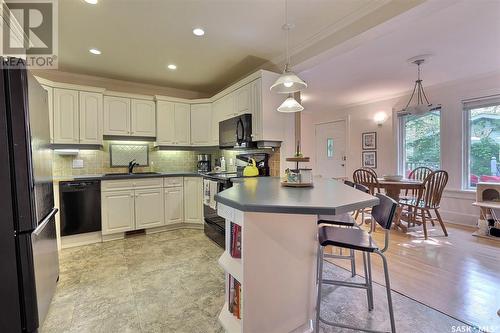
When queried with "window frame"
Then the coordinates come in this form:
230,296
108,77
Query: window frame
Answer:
401,131
467,106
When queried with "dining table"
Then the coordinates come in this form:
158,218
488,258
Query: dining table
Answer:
393,189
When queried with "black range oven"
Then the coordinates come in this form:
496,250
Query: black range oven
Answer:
215,226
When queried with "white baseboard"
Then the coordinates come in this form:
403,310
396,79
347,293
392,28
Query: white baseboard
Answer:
176,226
97,237
81,239
112,237
459,218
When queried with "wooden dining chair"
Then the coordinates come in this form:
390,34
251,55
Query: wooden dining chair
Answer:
428,199
367,177
419,173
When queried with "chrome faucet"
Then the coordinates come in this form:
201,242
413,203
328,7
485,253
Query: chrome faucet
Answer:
131,166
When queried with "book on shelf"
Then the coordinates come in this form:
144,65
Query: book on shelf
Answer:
234,297
235,241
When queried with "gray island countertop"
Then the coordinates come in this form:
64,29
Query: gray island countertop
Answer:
265,194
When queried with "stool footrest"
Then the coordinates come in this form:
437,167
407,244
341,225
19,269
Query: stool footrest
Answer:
337,256
345,284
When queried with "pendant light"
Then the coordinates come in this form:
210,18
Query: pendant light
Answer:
288,82
420,107
290,105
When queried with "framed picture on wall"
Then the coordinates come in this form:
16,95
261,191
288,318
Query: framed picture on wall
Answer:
369,140
369,159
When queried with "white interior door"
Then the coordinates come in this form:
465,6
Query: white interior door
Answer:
331,149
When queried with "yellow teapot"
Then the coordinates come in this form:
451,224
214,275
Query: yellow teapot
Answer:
251,170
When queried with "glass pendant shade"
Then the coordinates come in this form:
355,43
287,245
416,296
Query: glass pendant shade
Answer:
290,105
287,83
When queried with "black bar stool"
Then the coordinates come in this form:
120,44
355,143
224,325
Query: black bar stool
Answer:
344,220
358,240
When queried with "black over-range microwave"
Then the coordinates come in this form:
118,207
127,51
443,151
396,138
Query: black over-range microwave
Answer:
236,132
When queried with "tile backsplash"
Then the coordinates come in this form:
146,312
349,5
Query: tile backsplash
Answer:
98,161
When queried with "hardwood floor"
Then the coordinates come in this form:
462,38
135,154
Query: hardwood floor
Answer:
458,275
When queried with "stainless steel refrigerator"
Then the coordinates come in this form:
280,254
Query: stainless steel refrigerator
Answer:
29,264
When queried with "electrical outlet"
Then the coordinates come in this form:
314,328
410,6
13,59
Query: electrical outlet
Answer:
77,164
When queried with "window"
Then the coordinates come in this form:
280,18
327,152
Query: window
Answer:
419,141
482,141
329,147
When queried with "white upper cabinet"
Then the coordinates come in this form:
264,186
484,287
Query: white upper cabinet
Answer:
182,124
76,116
165,123
173,124
256,109
269,124
228,106
90,117
129,116
116,116
143,118
242,100
217,116
201,124
50,101
66,123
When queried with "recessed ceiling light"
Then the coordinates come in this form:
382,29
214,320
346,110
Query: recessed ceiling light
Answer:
198,32
92,2
95,51
172,66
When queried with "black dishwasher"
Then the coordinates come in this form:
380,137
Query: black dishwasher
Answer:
80,203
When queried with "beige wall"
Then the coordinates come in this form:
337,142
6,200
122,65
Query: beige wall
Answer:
456,204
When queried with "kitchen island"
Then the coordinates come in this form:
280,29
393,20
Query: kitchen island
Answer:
277,268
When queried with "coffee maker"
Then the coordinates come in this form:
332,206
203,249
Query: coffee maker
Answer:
204,162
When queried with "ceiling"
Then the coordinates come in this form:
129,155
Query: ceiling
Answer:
138,39
375,66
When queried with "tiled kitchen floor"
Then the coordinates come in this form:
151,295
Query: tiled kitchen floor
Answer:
171,282
164,282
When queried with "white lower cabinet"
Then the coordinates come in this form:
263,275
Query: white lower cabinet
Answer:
174,205
193,200
149,203
149,210
117,211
